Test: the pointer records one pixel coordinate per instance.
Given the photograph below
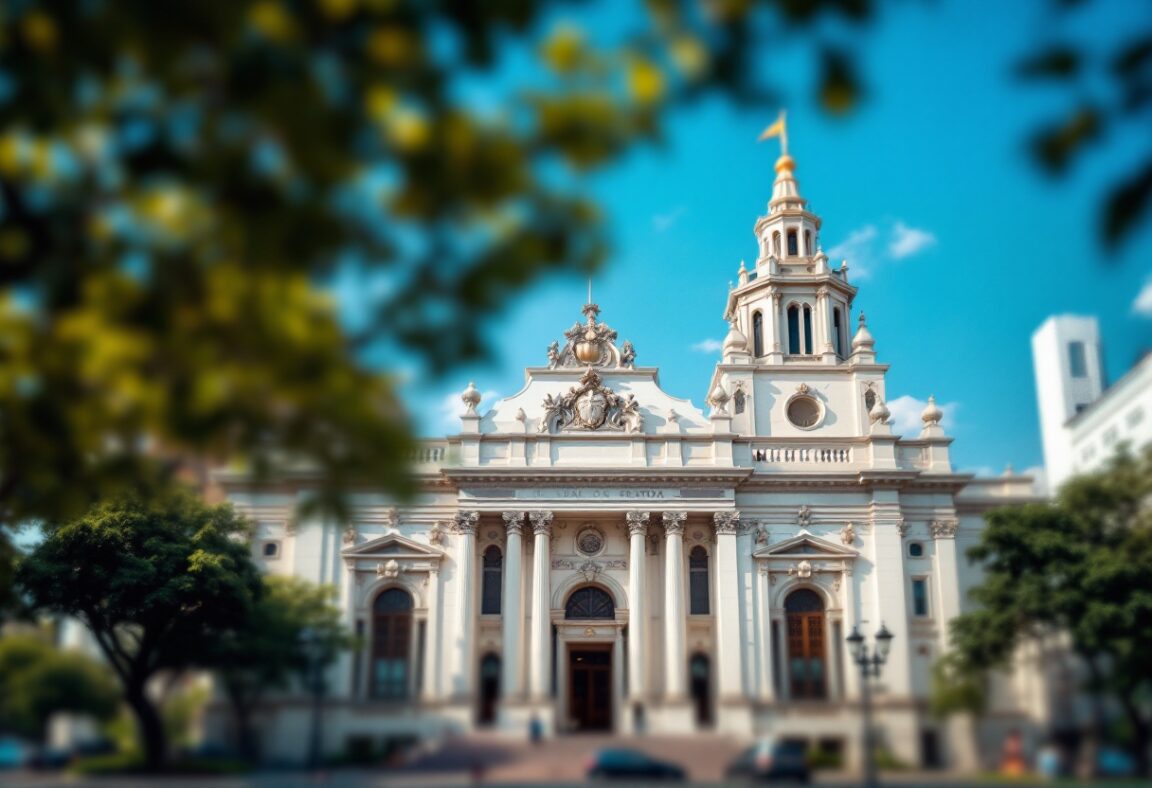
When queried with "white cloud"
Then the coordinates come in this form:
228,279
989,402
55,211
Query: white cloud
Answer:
451,407
707,345
906,412
1143,304
664,221
867,247
907,241
856,249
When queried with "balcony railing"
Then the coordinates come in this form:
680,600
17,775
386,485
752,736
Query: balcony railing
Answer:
809,455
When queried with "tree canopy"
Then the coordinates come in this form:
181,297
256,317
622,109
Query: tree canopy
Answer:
157,581
38,680
1078,568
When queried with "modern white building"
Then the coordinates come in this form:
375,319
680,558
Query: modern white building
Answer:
597,554
1083,421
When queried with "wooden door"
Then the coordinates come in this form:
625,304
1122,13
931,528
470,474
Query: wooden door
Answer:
590,688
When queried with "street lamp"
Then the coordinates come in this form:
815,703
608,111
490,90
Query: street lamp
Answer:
312,649
869,664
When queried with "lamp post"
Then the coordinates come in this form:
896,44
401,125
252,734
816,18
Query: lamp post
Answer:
312,649
869,664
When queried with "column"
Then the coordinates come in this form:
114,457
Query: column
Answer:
824,323
764,597
675,649
465,527
637,614
510,608
432,665
777,337
540,655
729,663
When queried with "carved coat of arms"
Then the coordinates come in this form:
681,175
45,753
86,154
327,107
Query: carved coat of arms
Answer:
591,406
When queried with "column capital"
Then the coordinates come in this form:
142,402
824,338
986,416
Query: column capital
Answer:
726,522
541,523
674,522
944,529
637,522
465,522
514,522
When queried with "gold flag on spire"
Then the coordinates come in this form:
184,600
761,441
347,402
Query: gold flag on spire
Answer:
777,129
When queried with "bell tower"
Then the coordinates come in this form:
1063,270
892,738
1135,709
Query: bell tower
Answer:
789,336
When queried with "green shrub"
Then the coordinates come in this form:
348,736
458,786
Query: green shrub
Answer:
115,763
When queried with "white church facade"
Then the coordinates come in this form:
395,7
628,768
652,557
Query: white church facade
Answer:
597,554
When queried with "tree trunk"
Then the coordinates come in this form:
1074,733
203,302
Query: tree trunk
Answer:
1141,730
150,726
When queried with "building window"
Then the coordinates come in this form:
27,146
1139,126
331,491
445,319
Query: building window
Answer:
700,673
793,329
793,249
590,602
916,549
1134,417
271,550
776,243
391,644
1077,364
837,330
920,597
1109,436
489,689
698,581
807,663
757,334
492,582
808,329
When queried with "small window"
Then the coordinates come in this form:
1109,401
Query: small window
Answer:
837,330
1109,436
793,244
916,549
808,329
271,550
793,329
757,334
919,597
698,581
1077,364
492,581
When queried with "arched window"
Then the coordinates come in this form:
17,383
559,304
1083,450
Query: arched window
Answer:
757,334
493,580
271,549
869,400
776,243
837,330
698,582
793,329
793,249
808,329
807,662
590,602
808,242
391,644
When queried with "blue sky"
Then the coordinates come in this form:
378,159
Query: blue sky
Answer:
959,246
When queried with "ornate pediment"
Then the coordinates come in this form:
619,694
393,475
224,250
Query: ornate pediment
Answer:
392,546
805,546
591,406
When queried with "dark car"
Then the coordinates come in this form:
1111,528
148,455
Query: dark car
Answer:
624,764
771,759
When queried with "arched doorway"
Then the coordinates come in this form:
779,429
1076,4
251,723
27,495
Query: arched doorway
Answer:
700,672
391,644
489,688
590,664
807,660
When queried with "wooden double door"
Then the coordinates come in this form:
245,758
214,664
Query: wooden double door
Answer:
590,687
807,651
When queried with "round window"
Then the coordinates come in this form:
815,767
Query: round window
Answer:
804,412
590,541
915,549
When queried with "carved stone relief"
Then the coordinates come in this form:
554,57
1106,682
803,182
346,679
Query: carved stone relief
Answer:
591,406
